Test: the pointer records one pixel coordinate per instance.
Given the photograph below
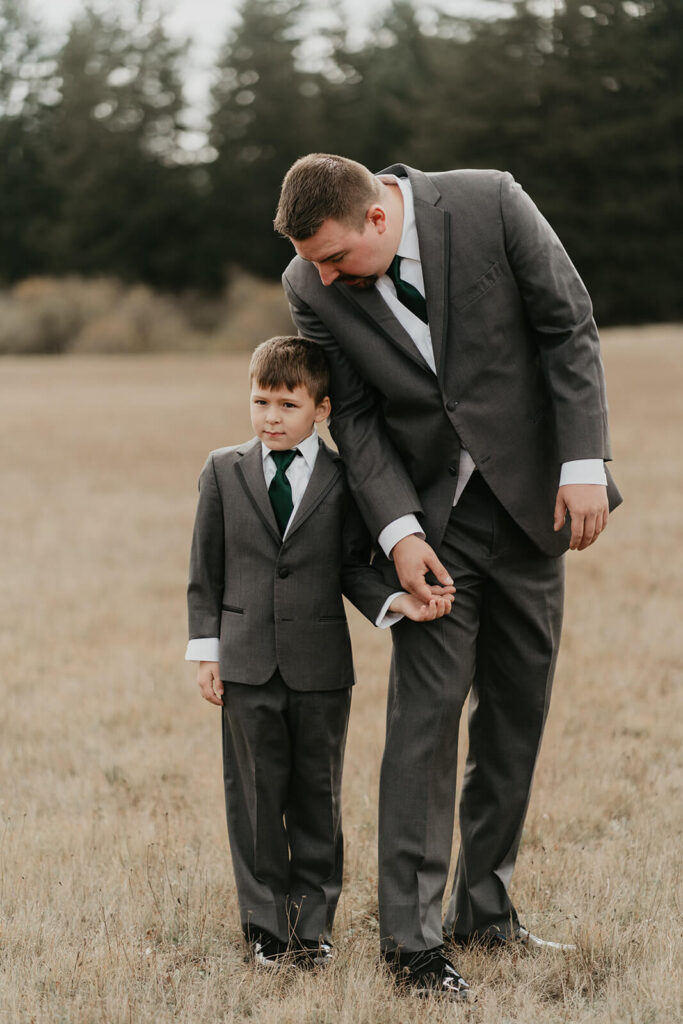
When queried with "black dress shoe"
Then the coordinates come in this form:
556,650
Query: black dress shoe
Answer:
265,949
427,972
494,938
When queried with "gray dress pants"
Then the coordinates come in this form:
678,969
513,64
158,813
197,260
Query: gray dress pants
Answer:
499,644
283,753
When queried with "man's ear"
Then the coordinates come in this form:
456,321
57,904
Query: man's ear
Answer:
377,217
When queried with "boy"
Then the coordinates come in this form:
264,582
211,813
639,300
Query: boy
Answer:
277,540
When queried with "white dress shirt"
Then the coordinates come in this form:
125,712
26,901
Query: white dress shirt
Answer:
298,473
584,471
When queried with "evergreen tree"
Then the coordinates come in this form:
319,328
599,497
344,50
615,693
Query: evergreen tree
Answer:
263,118
374,98
27,199
111,139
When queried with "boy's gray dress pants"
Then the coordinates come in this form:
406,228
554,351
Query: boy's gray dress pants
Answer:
283,753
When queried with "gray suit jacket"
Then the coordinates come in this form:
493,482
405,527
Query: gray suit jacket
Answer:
519,379
273,603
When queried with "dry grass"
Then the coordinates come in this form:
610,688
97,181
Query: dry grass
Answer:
117,901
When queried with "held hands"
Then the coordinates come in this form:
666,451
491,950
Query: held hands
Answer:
210,683
413,559
410,606
587,505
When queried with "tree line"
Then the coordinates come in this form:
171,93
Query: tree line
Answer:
582,103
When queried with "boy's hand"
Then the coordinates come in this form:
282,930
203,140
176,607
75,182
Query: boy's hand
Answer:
210,683
439,604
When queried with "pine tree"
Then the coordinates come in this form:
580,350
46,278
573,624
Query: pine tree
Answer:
111,140
263,118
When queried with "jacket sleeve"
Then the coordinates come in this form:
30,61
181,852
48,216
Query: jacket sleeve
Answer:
376,474
362,583
561,315
207,559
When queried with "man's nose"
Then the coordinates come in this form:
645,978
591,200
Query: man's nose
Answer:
327,273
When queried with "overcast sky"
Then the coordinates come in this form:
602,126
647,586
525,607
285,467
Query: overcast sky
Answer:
206,21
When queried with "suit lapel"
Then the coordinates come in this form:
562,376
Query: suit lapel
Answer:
434,237
324,474
433,231
250,471
375,309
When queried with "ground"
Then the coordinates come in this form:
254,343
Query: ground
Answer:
117,900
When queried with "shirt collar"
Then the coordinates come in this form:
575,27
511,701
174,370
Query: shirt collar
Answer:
409,246
308,448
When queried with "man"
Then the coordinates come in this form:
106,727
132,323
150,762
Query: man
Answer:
468,394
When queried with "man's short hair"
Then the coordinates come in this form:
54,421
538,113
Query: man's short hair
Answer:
320,187
287,362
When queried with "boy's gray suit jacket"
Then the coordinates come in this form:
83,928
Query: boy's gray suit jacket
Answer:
278,604
519,379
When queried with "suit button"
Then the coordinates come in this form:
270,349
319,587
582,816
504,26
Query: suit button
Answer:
453,470
451,405
283,573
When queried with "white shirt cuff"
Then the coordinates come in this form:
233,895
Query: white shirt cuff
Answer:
387,618
204,648
583,471
396,531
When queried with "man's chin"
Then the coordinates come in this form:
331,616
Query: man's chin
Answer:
358,282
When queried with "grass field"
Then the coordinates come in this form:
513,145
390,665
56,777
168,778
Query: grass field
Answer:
117,901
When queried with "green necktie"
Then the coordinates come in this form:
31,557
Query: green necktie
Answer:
280,490
407,294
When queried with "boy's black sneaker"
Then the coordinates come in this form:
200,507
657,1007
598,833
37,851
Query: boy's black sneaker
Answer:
265,950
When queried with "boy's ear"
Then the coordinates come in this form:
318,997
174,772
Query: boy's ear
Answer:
323,410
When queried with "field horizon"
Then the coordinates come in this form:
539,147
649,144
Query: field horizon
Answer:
116,892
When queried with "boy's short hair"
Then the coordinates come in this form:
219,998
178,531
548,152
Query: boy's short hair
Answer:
322,186
288,361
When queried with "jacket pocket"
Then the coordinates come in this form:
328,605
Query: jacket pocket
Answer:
232,608
461,300
331,618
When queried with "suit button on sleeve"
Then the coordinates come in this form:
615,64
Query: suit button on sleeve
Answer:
283,573
451,405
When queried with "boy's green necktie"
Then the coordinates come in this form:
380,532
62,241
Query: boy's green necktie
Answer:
406,293
280,490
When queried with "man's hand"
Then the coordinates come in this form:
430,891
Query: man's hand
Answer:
210,683
413,559
408,605
588,508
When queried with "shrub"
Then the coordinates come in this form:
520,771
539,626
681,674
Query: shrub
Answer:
73,314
